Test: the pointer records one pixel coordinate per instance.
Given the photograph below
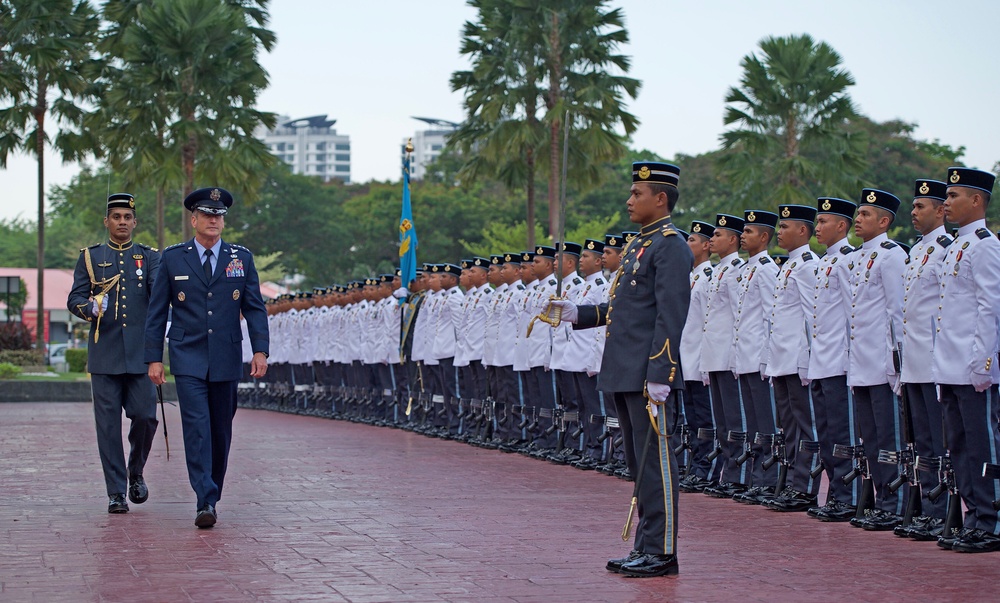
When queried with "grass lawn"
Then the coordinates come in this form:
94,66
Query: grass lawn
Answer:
55,377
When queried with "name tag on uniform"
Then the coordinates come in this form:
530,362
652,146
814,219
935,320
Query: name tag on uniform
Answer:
181,278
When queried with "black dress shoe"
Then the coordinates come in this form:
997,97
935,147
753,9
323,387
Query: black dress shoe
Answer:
882,521
753,496
978,541
836,511
693,483
927,532
137,490
206,517
117,504
793,502
648,566
615,565
946,541
725,490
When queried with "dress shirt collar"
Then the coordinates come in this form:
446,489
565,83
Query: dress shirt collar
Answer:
971,228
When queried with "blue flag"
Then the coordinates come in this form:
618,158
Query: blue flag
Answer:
407,234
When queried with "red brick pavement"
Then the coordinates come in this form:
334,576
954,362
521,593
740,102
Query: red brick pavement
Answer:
320,510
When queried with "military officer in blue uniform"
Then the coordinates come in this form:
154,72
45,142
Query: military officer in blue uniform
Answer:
111,286
209,283
645,315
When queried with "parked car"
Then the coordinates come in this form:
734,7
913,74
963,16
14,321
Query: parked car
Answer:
57,353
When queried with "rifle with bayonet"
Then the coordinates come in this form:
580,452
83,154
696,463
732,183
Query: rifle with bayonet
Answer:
907,457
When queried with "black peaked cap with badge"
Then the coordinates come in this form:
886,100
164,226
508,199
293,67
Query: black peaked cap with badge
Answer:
593,245
837,207
880,199
545,251
802,213
759,217
655,173
702,228
121,201
213,201
613,241
930,189
968,177
571,248
728,222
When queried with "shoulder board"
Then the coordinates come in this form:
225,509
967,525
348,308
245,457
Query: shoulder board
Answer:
240,247
846,249
520,287
668,230
918,239
765,260
552,281
944,241
807,256
599,281
737,262
983,233
888,245
708,272
175,246
147,247
577,280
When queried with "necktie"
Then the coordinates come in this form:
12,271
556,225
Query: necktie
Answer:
208,265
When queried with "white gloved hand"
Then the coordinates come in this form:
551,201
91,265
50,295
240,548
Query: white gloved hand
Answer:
400,293
763,369
705,380
569,313
93,306
658,391
981,382
802,377
592,373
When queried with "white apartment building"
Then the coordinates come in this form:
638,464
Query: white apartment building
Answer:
311,146
428,144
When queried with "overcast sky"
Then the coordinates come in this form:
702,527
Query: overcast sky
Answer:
374,66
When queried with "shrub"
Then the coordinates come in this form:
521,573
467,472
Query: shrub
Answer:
22,357
76,358
15,336
8,370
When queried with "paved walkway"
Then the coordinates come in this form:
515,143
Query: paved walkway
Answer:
320,510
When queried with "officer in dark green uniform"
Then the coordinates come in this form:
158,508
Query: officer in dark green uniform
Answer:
111,286
641,365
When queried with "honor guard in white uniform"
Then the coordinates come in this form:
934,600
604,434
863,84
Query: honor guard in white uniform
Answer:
522,355
510,390
716,349
828,357
697,398
787,357
491,334
592,404
965,357
447,311
875,329
540,345
570,351
922,290
755,286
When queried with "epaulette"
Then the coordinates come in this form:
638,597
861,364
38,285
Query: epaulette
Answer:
806,256
520,287
599,281
888,245
765,260
737,262
918,239
148,247
944,241
708,272
846,249
668,230
552,281
577,280
983,233
235,246
175,246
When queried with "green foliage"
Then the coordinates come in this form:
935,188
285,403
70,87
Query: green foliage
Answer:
14,336
76,358
15,301
22,357
18,241
8,370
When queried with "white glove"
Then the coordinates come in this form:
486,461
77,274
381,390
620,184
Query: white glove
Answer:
763,369
981,382
400,293
93,306
658,391
569,313
591,373
802,377
705,380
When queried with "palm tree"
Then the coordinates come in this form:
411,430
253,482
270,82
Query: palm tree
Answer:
201,88
791,141
533,60
46,55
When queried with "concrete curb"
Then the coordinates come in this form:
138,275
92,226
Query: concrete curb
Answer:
59,391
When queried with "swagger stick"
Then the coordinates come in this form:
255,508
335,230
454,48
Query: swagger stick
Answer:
163,411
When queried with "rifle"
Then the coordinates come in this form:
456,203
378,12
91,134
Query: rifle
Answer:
946,473
907,457
992,471
861,469
776,442
683,431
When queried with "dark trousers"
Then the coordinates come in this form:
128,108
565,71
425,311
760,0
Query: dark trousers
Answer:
875,406
793,412
591,405
928,435
136,395
546,399
698,412
835,425
508,396
729,416
970,424
447,386
758,404
207,411
569,401
651,454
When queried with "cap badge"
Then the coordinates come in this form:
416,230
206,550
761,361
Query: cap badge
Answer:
924,189
613,241
181,296
131,203
644,172
236,294
538,250
216,195
478,262
786,212
871,197
722,221
507,258
954,177
751,217
826,205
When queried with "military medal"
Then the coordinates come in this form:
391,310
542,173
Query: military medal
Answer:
236,294
180,296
